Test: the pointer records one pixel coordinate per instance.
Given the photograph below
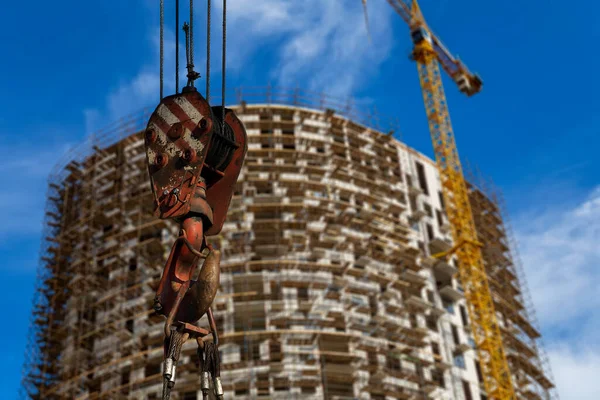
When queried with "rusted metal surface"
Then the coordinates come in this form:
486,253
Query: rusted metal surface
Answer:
194,154
177,140
219,194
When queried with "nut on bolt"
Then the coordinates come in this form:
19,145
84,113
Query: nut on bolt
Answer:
161,160
189,155
150,136
204,125
176,131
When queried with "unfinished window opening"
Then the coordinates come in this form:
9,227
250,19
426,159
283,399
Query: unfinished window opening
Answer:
431,322
428,210
89,314
281,384
430,296
438,377
422,178
275,351
440,218
435,348
467,390
413,321
402,198
125,378
430,234
263,190
393,363
455,336
373,304
302,293
132,264
373,359
309,390
463,315
420,373
478,369
129,325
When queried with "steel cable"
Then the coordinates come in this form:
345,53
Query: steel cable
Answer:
192,32
161,56
223,66
176,46
208,23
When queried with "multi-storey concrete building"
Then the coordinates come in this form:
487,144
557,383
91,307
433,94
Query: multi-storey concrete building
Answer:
328,287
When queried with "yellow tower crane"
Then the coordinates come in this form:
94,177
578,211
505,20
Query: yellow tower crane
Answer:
429,53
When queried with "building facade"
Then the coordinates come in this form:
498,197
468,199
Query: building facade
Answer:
328,287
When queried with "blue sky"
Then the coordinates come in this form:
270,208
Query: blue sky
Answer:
71,67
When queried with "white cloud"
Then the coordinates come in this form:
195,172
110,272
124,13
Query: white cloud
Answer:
320,45
561,252
576,373
562,258
138,92
317,45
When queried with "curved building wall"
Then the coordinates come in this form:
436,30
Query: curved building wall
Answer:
327,286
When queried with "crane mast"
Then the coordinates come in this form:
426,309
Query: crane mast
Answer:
429,53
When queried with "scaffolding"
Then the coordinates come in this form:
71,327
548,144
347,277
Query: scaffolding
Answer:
328,288
520,328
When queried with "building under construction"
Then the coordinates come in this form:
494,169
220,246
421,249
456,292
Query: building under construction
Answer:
328,289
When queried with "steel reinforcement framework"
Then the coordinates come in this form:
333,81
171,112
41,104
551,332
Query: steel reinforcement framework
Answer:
328,288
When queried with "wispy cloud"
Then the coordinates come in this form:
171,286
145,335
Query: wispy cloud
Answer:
317,45
322,45
142,90
576,372
23,177
562,257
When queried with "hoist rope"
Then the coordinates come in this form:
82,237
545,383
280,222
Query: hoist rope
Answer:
223,67
186,29
161,56
208,18
192,33
176,46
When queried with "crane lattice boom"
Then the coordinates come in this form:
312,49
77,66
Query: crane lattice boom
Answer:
428,51
468,82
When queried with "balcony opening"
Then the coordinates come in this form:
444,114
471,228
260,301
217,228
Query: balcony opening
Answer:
422,178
